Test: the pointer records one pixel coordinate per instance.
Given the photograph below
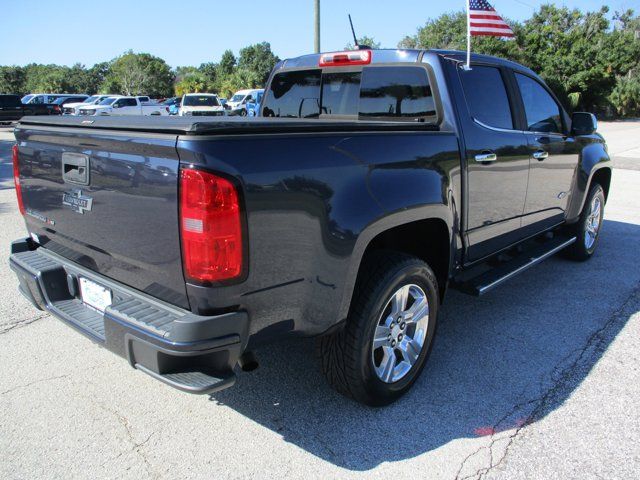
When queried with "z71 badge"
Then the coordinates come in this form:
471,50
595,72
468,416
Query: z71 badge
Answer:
79,203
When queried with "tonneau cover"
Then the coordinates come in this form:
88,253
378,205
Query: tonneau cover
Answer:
226,125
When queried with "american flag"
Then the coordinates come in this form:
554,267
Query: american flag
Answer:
484,20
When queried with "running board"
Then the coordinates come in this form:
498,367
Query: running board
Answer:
489,280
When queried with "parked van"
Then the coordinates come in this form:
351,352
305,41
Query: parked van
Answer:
237,105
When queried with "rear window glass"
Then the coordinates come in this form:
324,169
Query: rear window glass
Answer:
396,92
294,95
340,93
487,96
384,93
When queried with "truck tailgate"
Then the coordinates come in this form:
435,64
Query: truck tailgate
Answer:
108,201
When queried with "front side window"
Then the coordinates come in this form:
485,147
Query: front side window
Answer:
543,113
486,96
399,92
294,94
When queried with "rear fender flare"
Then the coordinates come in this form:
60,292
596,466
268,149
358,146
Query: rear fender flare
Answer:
404,217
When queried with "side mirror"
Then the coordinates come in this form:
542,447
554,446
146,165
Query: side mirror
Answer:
116,105
583,123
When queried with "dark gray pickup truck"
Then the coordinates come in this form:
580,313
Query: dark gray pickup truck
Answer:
372,182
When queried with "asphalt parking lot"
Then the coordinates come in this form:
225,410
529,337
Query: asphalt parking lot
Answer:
538,379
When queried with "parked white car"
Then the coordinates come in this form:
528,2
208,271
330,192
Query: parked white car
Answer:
237,105
74,108
124,106
201,104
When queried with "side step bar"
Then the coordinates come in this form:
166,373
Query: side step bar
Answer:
489,280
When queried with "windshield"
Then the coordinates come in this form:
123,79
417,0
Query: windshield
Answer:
108,101
91,99
26,98
200,101
237,97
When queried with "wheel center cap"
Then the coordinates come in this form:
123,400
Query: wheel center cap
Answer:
395,331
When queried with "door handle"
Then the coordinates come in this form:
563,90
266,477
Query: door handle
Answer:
540,155
486,157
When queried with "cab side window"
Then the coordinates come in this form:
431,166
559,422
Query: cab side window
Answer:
486,95
542,111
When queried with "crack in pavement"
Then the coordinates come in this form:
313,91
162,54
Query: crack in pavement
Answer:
135,445
561,381
48,379
34,383
22,323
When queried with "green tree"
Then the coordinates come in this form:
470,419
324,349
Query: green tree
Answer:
77,78
255,64
367,41
140,73
449,32
578,54
95,77
193,82
47,78
227,63
209,70
625,96
12,80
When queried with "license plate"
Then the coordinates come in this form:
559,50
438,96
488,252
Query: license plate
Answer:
94,295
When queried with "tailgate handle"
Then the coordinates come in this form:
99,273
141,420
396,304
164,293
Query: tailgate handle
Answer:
75,168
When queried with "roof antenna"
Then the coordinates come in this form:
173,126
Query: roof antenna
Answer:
355,39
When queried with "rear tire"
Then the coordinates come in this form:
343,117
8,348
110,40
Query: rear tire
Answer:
587,229
381,351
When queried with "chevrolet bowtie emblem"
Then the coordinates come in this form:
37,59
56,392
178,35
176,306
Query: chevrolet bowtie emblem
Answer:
79,203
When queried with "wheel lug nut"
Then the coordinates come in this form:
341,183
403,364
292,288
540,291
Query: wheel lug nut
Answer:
402,326
400,337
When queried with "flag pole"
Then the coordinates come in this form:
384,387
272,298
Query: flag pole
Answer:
468,66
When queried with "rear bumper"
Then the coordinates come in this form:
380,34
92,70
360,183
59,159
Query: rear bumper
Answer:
192,353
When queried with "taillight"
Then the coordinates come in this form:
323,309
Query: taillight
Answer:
339,59
56,109
210,226
16,178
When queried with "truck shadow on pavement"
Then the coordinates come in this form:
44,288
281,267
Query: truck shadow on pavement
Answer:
499,362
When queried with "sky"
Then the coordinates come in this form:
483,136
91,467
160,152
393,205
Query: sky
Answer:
190,32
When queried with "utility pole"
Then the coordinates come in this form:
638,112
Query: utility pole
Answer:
317,26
